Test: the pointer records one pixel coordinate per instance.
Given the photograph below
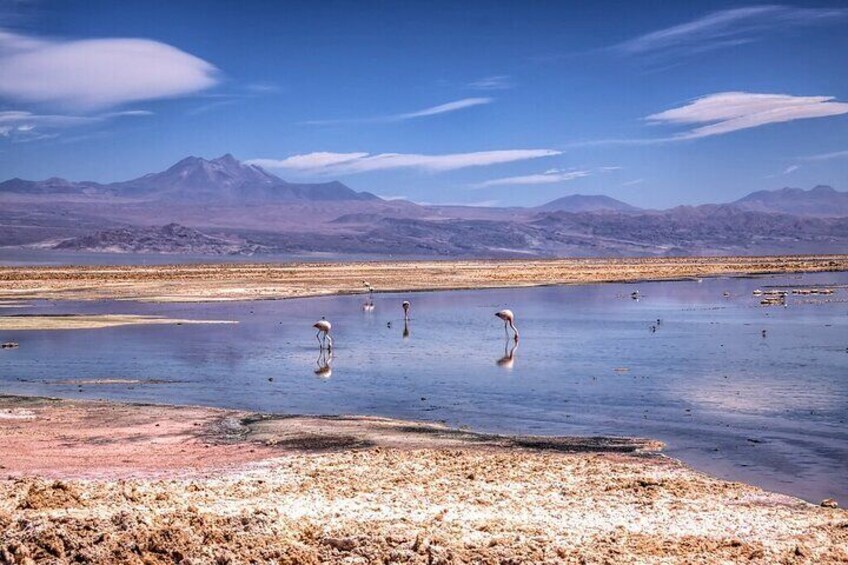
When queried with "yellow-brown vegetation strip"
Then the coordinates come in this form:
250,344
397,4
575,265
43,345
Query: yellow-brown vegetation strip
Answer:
197,283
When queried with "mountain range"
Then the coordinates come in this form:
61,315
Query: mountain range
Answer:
225,207
194,180
821,201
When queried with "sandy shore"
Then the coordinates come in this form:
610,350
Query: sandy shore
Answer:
106,483
194,283
94,321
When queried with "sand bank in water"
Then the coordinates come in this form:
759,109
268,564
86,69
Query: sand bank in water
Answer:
99,482
197,283
88,322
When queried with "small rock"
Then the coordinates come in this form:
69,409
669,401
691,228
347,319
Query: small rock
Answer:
829,503
757,554
342,544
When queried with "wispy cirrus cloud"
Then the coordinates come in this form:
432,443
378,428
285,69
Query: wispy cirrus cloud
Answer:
27,126
727,28
93,74
551,176
446,108
360,162
827,156
496,82
726,112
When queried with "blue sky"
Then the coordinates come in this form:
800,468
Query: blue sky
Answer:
498,103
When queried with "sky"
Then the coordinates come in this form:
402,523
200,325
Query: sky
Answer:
449,102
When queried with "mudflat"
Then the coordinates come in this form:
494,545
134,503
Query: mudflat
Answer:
93,321
213,282
102,482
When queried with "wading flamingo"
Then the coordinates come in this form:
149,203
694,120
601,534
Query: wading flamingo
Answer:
369,304
509,321
323,335
405,309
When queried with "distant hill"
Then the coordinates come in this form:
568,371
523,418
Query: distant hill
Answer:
823,201
197,180
587,203
172,238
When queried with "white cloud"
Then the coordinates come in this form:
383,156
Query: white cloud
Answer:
97,73
550,176
633,182
310,161
498,82
27,126
727,28
351,163
726,112
444,108
477,204
827,156
432,111
791,169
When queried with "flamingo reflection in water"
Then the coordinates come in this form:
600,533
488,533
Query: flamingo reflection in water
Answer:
508,359
325,360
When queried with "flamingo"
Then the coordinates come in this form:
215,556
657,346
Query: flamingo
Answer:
509,321
405,309
324,327
369,304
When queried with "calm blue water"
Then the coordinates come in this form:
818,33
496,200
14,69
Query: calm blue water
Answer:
766,410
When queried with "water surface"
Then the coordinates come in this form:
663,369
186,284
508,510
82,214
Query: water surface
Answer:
764,408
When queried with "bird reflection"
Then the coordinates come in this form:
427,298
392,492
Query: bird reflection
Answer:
508,359
325,358
405,329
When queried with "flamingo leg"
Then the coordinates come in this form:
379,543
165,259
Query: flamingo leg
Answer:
330,342
515,330
318,337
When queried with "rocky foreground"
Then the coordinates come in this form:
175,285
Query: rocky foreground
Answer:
96,482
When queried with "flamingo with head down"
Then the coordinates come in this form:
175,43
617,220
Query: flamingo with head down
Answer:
323,336
509,322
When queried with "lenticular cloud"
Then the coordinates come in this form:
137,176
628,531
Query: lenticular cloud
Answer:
97,73
726,112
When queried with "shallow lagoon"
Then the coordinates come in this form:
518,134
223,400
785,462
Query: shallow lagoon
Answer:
765,410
